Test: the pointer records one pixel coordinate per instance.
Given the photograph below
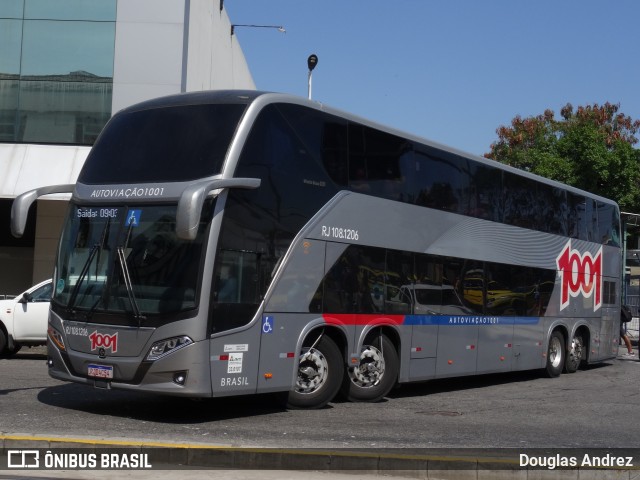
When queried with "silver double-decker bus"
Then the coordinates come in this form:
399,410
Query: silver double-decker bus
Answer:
239,242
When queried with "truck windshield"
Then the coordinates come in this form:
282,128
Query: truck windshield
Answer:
121,259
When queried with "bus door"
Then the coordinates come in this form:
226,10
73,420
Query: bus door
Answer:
235,326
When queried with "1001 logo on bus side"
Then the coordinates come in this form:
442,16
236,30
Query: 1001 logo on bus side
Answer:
580,274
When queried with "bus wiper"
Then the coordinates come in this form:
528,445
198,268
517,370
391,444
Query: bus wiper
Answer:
129,286
85,269
95,249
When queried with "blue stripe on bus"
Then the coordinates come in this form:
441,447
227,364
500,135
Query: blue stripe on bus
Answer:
465,320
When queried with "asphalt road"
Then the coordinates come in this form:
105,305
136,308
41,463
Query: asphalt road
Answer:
593,408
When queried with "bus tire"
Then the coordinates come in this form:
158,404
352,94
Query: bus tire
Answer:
555,354
375,375
574,354
320,372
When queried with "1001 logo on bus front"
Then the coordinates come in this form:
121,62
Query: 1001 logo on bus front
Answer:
102,340
580,274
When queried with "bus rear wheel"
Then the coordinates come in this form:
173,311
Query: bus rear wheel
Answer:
376,373
555,354
575,354
320,371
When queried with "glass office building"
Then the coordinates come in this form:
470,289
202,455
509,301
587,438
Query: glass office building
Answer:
56,69
65,67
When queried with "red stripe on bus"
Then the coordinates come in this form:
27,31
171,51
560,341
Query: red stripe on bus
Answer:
362,319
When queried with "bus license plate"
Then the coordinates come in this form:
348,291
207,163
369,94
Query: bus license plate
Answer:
100,371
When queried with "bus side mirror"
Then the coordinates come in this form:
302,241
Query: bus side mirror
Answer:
20,207
192,199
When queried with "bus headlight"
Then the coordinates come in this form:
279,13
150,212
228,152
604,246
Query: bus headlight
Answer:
56,338
168,346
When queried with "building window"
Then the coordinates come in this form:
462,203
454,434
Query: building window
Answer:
56,72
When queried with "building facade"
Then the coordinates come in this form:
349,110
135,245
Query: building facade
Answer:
65,67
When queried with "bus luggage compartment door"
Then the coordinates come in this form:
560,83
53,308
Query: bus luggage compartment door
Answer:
234,362
457,350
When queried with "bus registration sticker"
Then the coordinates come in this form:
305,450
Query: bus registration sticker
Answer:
235,363
100,371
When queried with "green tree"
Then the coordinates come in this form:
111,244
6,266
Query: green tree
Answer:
591,148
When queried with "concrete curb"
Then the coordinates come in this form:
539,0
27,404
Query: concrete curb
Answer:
443,464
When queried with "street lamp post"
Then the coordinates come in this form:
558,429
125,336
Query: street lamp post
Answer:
312,61
280,28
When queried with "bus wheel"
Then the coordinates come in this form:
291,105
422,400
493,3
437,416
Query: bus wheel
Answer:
376,373
574,356
555,354
320,372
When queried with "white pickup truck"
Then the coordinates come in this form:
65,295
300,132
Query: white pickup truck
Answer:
23,320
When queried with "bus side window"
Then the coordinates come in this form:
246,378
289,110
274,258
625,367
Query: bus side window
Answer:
235,289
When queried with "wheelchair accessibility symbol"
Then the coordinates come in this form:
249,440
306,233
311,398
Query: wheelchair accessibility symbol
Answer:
267,324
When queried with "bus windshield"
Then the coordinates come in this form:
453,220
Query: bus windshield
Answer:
120,259
175,144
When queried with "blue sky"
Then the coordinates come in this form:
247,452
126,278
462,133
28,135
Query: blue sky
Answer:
451,71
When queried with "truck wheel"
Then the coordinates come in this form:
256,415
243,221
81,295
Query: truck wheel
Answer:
376,373
320,371
555,354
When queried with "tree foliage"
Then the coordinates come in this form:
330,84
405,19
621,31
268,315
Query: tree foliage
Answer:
591,148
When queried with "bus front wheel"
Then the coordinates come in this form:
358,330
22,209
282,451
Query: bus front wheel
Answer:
555,354
376,373
320,371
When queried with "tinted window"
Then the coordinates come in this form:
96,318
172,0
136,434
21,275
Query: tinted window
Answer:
553,209
374,162
51,47
355,281
57,69
515,290
388,166
485,193
576,206
10,52
521,201
294,185
608,225
297,289
321,140
399,274
235,289
443,181
162,145
71,9
589,224
11,8
466,277
436,287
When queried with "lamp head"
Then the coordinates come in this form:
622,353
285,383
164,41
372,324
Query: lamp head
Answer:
312,61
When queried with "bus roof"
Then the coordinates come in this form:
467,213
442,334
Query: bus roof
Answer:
262,98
